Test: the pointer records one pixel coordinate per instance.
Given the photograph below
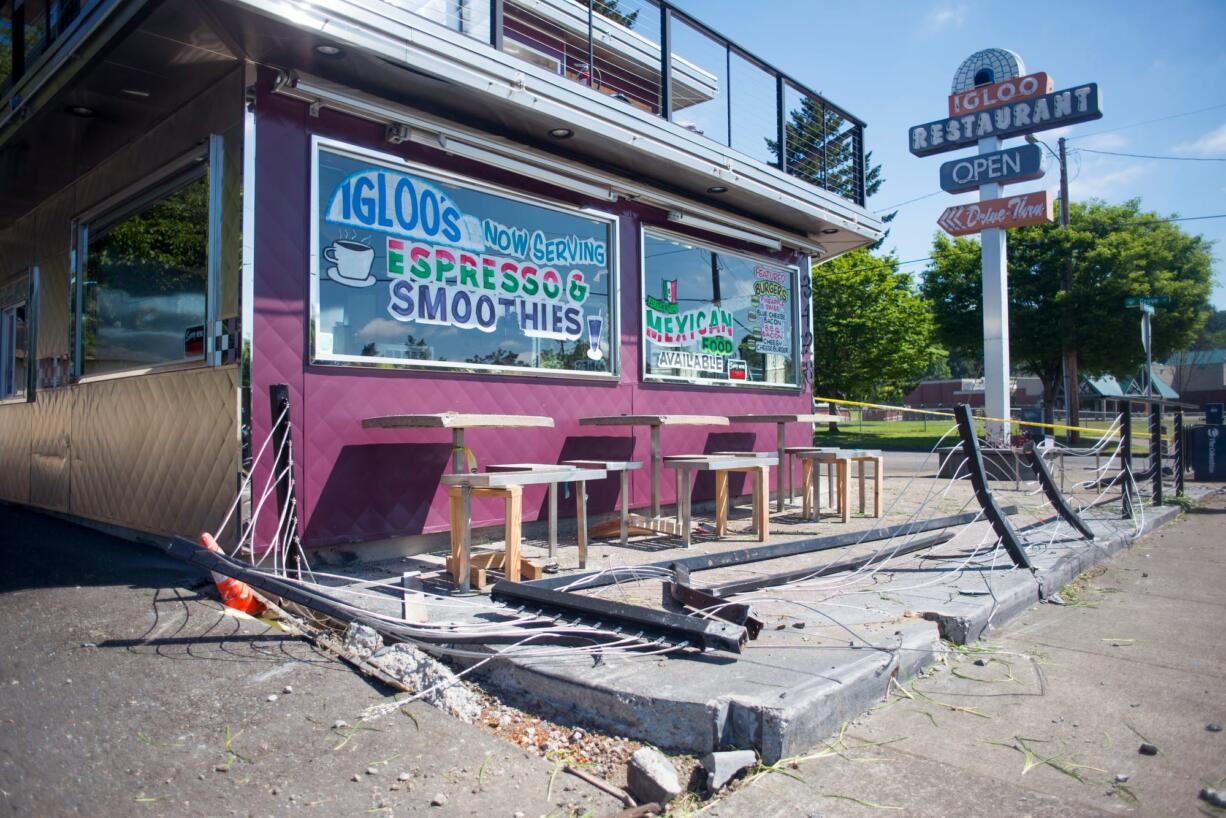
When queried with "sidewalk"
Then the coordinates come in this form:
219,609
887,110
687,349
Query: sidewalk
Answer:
1137,654
122,692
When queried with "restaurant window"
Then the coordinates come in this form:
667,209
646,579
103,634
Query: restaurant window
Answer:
14,347
418,268
7,53
715,316
143,296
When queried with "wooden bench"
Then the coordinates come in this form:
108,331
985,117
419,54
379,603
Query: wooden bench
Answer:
507,482
756,464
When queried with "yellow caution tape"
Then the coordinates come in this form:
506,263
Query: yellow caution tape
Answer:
1036,424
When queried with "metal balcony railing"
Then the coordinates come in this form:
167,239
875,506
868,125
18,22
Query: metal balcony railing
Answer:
657,58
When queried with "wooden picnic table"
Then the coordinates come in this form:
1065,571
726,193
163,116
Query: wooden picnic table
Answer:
655,422
457,422
781,422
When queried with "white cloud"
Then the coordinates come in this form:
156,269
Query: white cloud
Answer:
1103,142
1211,144
1096,181
945,17
382,329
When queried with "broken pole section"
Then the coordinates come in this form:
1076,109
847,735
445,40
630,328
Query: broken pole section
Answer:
742,556
1058,500
758,583
634,620
979,480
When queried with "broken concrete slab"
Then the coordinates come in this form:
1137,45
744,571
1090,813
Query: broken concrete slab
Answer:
426,675
361,641
721,767
652,777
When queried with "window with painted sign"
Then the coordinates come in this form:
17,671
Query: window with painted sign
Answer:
418,268
715,316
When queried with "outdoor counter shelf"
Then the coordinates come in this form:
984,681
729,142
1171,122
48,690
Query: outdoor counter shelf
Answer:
655,422
457,423
781,421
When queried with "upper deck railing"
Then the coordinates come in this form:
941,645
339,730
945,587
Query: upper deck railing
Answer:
657,58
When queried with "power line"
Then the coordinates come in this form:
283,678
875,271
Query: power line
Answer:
909,201
1147,122
1151,156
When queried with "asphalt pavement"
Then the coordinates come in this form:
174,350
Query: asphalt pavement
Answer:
1047,716
126,691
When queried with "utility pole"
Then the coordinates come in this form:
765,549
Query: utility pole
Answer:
1071,379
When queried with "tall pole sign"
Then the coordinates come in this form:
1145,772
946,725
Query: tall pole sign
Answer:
992,99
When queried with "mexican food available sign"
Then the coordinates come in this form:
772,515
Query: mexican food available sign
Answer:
1072,105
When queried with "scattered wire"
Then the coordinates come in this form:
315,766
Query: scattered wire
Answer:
1151,156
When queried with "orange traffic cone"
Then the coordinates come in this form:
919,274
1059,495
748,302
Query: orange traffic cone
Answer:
235,593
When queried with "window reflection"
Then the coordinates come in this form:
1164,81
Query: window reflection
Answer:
146,280
716,316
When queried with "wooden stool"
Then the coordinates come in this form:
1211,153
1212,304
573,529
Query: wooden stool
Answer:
622,467
507,482
793,452
810,501
862,457
756,464
461,563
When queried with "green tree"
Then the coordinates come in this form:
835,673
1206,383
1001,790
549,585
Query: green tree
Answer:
873,334
608,8
1117,251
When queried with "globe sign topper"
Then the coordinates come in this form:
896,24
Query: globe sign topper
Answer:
992,99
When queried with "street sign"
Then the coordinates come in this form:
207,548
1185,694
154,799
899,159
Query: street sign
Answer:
1010,90
1151,300
1072,105
1013,211
1019,164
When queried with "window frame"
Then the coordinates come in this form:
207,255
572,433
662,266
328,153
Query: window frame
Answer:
204,160
797,330
12,295
393,162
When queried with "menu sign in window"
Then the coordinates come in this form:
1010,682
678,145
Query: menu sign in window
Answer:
417,269
715,316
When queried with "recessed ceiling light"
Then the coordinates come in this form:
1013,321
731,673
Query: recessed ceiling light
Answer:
83,111
717,189
134,92
830,231
329,50
561,133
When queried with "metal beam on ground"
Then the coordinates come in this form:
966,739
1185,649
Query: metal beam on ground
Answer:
1058,500
742,556
979,480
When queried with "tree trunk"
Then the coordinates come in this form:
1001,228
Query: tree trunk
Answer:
1049,400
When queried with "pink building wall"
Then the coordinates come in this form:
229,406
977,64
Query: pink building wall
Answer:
356,484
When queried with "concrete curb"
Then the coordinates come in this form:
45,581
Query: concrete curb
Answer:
703,703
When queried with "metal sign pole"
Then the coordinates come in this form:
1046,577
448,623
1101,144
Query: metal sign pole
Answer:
994,255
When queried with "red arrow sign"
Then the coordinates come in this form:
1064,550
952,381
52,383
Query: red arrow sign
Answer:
1015,211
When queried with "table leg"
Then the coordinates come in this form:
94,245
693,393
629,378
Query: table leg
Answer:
466,535
878,469
844,472
780,444
721,503
458,466
791,484
655,471
581,519
684,507
514,526
553,521
830,472
807,493
625,522
861,468
764,503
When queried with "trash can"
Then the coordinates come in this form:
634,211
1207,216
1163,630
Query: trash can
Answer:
1208,453
1213,414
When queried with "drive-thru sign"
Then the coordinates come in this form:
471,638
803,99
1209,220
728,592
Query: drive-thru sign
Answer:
993,98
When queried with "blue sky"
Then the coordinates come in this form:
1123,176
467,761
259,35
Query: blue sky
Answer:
891,64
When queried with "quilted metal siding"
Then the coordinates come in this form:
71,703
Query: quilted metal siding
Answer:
157,453
50,430
356,484
15,424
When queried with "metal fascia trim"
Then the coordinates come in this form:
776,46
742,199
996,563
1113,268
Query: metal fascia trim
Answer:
723,229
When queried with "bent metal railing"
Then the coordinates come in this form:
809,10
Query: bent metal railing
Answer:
657,58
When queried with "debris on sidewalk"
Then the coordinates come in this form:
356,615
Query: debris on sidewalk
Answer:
362,641
652,777
429,678
722,767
